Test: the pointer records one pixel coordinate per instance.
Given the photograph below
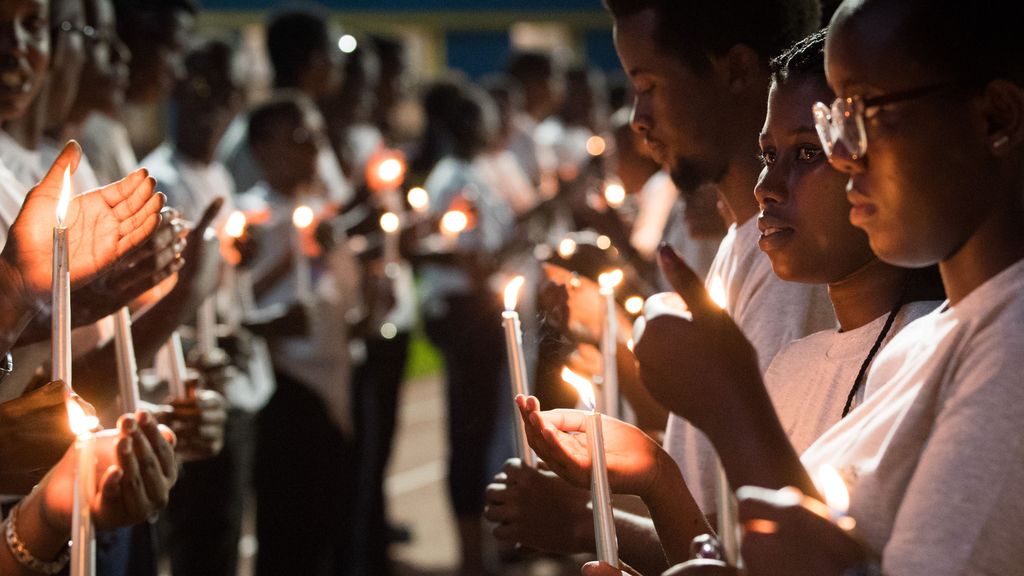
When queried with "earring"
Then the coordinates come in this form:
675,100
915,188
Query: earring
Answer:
1000,142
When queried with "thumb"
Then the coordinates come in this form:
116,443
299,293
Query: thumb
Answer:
70,156
684,281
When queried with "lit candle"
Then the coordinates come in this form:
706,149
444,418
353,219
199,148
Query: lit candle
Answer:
60,342
174,355
390,224
600,494
418,199
206,327
728,512
240,280
609,339
614,194
837,496
127,369
302,218
517,363
388,174
83,538
453,223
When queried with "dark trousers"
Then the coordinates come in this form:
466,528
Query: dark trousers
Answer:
204,516
375,389
471,341
304,480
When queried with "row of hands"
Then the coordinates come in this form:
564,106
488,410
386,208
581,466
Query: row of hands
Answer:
703,385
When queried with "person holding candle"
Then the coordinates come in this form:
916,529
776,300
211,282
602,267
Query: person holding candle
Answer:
136,470
310,353
931,457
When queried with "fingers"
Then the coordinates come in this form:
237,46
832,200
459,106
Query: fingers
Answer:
141,225
128,194
71,155
684,281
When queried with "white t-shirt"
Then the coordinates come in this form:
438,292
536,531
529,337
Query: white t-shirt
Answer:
771,313
810,379
934,458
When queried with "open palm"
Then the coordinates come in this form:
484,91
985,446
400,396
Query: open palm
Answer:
103,225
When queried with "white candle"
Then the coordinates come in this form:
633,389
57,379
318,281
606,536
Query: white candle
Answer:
83,538
600,493
175,357
390,223
517,364
60,342
302,218
206,327
239,280
609,339
127,369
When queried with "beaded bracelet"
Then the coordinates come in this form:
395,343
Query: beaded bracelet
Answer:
22,554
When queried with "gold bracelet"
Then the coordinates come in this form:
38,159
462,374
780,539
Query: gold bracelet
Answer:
22,554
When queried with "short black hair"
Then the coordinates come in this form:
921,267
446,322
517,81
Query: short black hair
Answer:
266,118
805,58
973,42
694,30
293,36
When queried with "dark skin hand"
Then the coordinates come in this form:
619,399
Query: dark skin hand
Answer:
716,384
198,421
33,438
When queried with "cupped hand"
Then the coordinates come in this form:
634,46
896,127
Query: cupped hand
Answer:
103,225
522,501
699,368
635,461
135,470
785,532
582,302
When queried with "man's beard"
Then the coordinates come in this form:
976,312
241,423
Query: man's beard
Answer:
687,175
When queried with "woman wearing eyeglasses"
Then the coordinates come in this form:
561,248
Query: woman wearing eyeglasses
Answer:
806,233
929,125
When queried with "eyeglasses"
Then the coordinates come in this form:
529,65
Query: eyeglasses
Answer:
844,120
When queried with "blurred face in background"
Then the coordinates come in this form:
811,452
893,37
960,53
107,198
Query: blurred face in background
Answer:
24,54
105,74
68,41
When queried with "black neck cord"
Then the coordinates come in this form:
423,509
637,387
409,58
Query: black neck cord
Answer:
867,361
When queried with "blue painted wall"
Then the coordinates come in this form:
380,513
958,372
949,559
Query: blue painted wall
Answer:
476,52
417,5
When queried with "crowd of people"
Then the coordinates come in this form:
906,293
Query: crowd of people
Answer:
830,193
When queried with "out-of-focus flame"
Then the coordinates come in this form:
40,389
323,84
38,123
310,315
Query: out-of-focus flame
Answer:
582,386
512,292
603,242
419,199
65,197
634,304
630,344
614,195
390,170
454,222
566,248
833,488
80,421
235,224
595,146
610,279
302,217
389,222
716,290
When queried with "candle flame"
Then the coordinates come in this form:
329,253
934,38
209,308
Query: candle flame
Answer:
390,171
389,222
65,197
630,344
79,420
595,146
634,304
610,279
583,387
235,224
614,195
512,292
566,248
419,199
603,242
832,487
302,217
717,293
454,222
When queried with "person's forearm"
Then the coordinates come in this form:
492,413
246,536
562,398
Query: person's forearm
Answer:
676,516
43,541
639,545
755,450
